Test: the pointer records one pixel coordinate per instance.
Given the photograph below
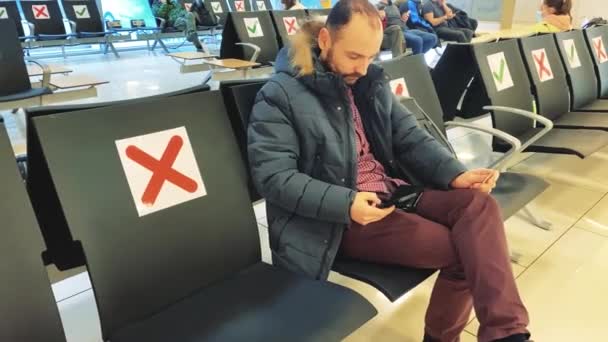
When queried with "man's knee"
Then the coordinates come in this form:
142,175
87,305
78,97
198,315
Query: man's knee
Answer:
479,201
414,40
469,34
460,36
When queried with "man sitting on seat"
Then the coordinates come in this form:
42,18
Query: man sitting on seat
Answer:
439,14
328,142
203,16
175,15
393,35
418,41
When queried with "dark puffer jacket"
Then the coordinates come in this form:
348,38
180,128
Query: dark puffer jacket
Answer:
302,154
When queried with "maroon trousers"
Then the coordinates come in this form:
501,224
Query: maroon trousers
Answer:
461,233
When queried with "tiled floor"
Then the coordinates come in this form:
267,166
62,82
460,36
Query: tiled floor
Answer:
562,273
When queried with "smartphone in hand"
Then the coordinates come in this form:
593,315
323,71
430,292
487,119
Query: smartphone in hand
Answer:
406,198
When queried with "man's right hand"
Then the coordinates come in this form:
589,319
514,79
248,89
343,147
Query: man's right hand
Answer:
364,209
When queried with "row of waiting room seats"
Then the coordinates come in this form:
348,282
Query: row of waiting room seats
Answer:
563,77
83,24
51,22
125,251
269,31
131,255
43,23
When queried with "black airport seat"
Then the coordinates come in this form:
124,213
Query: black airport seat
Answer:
170,239
580,69
28,308
548,78
14,80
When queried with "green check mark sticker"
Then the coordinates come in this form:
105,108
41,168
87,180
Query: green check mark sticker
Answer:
254,28
3,14
81,11
217,7
499,68
572,53
500,75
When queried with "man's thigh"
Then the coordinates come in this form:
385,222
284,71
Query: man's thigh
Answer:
445,207
401,239
467,32
449,34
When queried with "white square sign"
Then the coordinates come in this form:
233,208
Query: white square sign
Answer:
239,5
543,67
253,27
500,71
41,12
82,12
216,7
600,50
399,88
572,54
3,13
261,5
161,170
291,25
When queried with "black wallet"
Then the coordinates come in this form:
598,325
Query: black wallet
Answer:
405,197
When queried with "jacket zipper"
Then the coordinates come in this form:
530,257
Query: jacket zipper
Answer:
349,150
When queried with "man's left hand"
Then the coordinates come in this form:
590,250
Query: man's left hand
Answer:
480,179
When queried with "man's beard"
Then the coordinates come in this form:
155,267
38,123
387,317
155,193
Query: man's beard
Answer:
329,63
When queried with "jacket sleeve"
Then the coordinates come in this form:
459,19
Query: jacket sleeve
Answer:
414,147
273,150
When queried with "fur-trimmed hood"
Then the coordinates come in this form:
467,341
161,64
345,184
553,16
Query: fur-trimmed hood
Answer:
301,60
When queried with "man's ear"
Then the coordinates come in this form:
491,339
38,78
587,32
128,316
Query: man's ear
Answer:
324,39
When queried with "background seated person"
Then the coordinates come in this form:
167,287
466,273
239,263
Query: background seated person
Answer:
418,41
462,19
393,35
555,16
175,15
415,21
439,14
292,5
202,15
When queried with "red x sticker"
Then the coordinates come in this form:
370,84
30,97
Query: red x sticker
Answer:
543,67
161,170
600,50
291,25
41,12
399,88
187,6
240,6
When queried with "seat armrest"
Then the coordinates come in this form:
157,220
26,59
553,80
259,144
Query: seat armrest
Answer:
256,51
548,124
46,71
511,140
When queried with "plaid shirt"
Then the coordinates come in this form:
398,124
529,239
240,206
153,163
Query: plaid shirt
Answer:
371,176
